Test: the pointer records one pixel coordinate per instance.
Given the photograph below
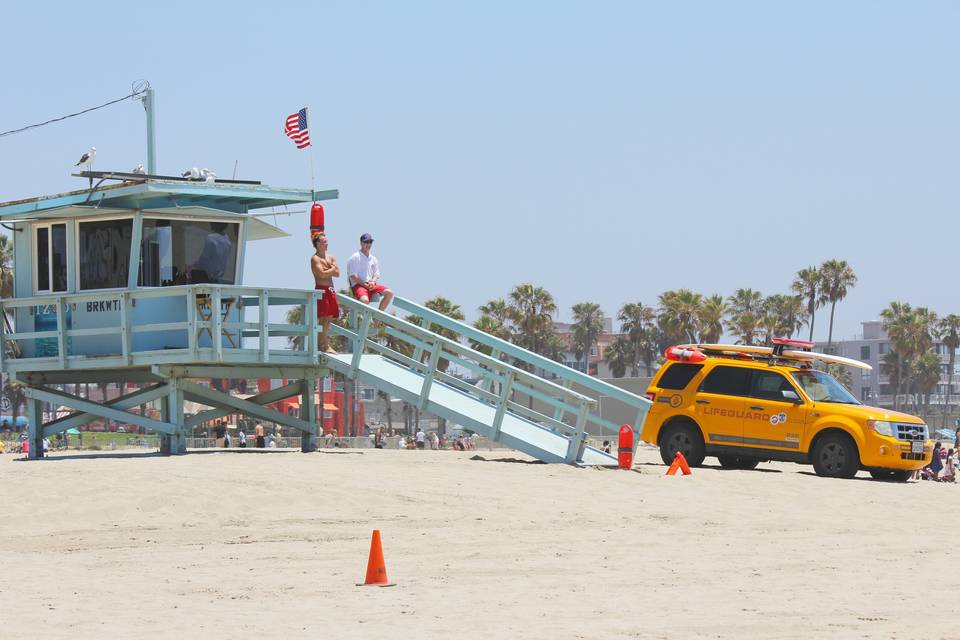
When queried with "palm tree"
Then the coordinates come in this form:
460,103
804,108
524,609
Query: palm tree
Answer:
745,301
910,331
619,355
948,331
295,317
498,309
444,307
837,278
491,326
531,311
637,322
679,315
806,284
782,315
896,320
926,377
587,325
745,309
710,319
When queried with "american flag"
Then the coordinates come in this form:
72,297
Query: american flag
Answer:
296,129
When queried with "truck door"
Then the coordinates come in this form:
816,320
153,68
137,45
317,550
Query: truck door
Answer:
773,421
720,404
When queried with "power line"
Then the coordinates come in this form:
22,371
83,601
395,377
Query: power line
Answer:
40,124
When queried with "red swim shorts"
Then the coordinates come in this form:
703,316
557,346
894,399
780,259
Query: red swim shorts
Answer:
360,291
327,306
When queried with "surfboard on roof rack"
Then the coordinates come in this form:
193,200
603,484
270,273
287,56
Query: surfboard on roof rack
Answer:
778,350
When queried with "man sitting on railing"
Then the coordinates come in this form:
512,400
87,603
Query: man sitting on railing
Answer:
363,269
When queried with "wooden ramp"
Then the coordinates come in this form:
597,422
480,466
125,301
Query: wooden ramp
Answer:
474,414
401,358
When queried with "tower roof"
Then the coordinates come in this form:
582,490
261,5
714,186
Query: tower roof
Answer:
152,193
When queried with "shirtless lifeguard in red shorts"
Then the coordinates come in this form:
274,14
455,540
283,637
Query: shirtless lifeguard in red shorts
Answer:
325,269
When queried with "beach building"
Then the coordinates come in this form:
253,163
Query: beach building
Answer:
593,364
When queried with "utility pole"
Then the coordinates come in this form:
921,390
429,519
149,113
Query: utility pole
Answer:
149,105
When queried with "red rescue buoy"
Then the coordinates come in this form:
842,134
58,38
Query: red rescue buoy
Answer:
625,448
684,354
316,219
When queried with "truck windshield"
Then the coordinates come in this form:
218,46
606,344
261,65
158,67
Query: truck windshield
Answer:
822,387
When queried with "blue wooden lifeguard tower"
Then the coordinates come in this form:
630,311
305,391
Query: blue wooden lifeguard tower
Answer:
139,278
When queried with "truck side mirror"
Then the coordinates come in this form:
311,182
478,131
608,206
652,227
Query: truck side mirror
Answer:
791,396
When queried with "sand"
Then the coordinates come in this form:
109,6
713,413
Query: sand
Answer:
229,545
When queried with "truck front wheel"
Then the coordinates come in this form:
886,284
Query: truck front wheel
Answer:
835,456
686,438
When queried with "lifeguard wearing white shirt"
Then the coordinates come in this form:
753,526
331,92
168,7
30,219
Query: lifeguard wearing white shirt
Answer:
363,269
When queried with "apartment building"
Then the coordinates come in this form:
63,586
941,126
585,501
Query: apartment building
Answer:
872,387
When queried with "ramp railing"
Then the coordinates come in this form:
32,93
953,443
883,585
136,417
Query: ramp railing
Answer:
567,377
505,376
371,331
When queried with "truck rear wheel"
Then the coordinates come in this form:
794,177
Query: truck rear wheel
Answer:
891,475
835,456
737,462
686,438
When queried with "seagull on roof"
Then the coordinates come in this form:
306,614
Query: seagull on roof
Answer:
87,158
139,169
191,174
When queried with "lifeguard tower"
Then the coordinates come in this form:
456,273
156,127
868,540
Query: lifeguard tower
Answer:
139,279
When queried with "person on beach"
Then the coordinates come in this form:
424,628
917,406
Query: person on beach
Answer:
379,438
421,439
258,436
434,441
936,464
325,269
242,438
402,444
363,269
949,467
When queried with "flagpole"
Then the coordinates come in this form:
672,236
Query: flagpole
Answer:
313,184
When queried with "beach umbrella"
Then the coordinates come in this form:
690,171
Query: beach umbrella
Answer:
73,432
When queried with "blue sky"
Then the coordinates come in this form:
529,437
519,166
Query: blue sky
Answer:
606,151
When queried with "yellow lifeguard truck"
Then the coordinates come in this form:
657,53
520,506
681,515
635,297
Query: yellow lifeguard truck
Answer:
749,404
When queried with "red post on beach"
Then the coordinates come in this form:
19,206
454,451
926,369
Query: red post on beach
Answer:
625,448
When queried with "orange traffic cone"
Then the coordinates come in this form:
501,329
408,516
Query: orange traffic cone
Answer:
679,462
376,570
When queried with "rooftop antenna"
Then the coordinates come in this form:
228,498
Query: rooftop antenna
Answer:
144,93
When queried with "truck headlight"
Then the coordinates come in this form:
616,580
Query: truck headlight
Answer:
882,427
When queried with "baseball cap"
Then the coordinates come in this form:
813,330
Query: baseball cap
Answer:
366,238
